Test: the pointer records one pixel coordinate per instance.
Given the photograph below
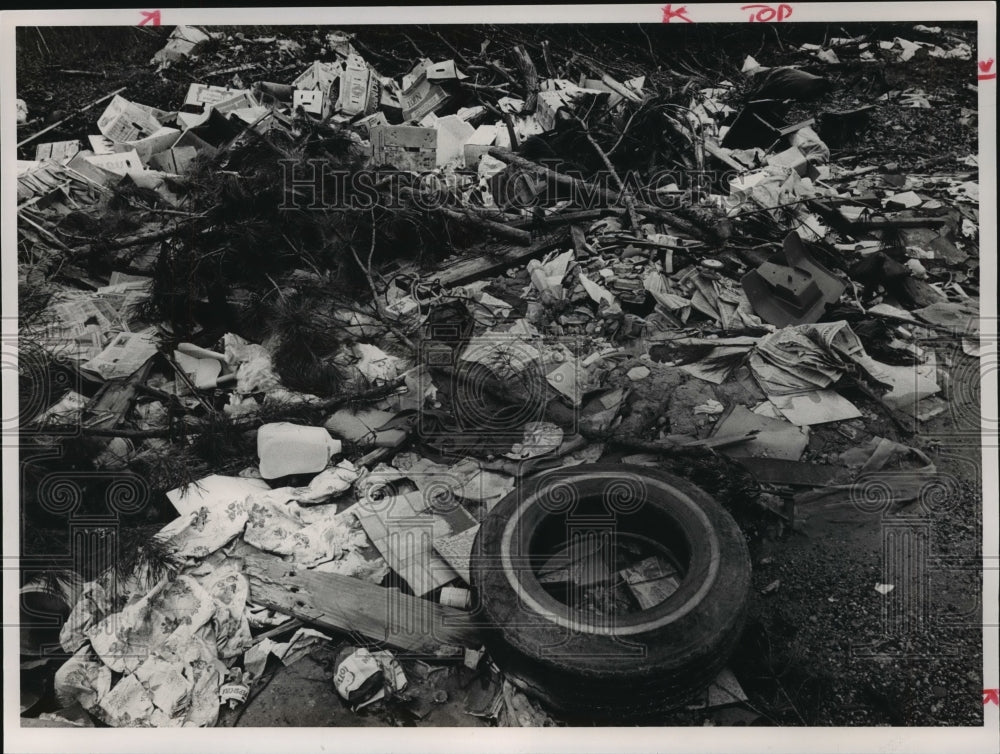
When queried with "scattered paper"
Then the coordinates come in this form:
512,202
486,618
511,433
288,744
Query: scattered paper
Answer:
816,407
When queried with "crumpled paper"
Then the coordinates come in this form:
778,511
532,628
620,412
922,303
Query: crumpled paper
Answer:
297,647
252,363
364,677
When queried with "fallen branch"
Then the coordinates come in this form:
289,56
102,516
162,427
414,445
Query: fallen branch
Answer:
501,230
530,75
883,223
366,270
550,69
494,65
234,69
611,200
480,220
458,53
76,72
140,238
69,117
198,426
567,218
626,195
606,79
494,257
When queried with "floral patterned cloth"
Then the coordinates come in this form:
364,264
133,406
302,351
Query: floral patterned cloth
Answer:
167,644
305,536
154,652
177,606
205,529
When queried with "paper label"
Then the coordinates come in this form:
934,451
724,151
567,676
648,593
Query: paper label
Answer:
234,692
125,121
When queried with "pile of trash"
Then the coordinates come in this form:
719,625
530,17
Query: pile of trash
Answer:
656,273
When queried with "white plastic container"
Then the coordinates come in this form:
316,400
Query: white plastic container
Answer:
286,448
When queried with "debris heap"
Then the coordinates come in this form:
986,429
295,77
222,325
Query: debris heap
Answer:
293,319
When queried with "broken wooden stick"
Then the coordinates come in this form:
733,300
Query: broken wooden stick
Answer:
567,218
608,81
501,230
467,216
68,117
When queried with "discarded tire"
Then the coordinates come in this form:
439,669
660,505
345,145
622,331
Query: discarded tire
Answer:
620,666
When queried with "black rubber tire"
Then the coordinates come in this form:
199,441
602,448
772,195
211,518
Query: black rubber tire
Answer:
643,663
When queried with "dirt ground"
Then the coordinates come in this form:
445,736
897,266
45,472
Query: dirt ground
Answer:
822,646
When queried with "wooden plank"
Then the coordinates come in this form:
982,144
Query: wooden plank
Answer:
720,155
346,604
109,407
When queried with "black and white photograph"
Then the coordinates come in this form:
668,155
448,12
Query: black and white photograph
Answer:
452,368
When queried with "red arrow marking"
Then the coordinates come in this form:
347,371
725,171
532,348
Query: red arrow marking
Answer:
151,17
984,70
669,14
991,696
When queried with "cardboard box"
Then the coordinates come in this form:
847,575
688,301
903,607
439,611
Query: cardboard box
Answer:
358,89
183,41
453,133
191,139
222,98
790,158
405,147
216,130
549,104
310,100
444,71
560,93
251,115
420,96
57,151
81,164
479,143
176,160
188,120
124,121
318,76
275,95
366,124
117,162
164,138
101,144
